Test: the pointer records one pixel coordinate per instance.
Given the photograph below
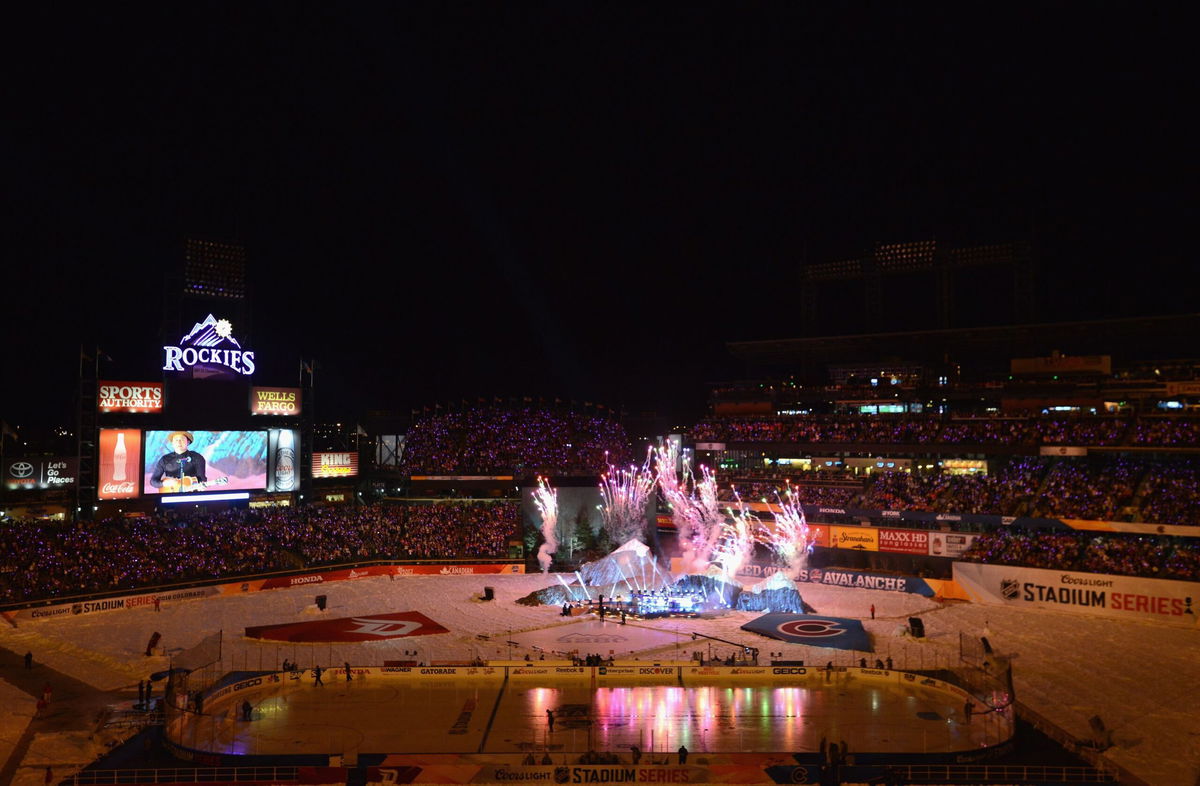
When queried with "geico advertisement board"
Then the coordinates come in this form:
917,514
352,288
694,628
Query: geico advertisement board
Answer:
1126,597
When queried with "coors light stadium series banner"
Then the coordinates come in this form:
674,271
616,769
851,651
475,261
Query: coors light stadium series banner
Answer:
1129,597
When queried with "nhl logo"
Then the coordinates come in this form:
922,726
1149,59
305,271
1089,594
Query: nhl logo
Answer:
1010,589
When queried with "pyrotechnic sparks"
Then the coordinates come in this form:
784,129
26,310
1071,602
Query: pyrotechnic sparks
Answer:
625,494
789,538
545,499
737,542
699,522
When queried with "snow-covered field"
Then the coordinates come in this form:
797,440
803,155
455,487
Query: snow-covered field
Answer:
1138,677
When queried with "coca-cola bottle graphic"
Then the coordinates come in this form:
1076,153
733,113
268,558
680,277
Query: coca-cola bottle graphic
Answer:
285,461
118,472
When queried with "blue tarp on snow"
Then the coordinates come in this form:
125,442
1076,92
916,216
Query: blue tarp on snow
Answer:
815,630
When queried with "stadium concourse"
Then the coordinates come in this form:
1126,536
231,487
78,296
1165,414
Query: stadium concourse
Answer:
1067,669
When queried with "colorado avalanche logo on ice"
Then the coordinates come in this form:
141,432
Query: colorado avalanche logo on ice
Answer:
812,628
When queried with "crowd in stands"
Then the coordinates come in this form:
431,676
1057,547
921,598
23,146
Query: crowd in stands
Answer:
494,440
1124,555
923,429
46,559
1096,488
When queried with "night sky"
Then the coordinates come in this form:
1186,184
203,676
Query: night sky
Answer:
566,199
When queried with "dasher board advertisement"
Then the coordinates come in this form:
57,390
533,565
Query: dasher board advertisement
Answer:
275,401
335,465
120,457
131,397
184,461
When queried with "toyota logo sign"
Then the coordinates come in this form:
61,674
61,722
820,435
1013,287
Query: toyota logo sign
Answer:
20,469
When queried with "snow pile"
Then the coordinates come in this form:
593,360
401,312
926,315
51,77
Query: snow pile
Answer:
776,593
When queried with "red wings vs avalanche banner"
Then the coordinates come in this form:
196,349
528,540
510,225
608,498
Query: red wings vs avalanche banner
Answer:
369,627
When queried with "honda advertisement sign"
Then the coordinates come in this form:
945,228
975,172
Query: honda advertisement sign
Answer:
120,462
39,474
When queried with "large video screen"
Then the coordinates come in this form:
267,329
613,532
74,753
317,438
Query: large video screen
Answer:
183,461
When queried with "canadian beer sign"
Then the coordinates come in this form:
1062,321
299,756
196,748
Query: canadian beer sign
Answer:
209,350
274,401
120,457
131,396
335,465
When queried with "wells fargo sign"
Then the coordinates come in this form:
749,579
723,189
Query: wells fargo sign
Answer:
274,401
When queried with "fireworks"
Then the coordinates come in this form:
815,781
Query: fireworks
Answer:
789,538
545,499
625,494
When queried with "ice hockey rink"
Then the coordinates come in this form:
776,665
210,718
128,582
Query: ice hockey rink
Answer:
506,711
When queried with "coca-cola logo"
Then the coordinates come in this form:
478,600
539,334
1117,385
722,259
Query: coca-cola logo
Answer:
124,487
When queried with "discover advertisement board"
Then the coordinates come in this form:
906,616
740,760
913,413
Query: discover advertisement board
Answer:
1097,594
120,456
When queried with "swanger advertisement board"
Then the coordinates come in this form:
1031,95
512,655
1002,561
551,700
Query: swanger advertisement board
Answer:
1127,597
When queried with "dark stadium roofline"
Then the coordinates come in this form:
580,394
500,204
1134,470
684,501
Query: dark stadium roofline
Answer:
1098,337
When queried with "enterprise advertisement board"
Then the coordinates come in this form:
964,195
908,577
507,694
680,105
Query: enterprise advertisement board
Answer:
186,461
120,454
335,465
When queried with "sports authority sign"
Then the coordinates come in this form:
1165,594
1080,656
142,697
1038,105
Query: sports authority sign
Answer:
369,627
1126,597
130,397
